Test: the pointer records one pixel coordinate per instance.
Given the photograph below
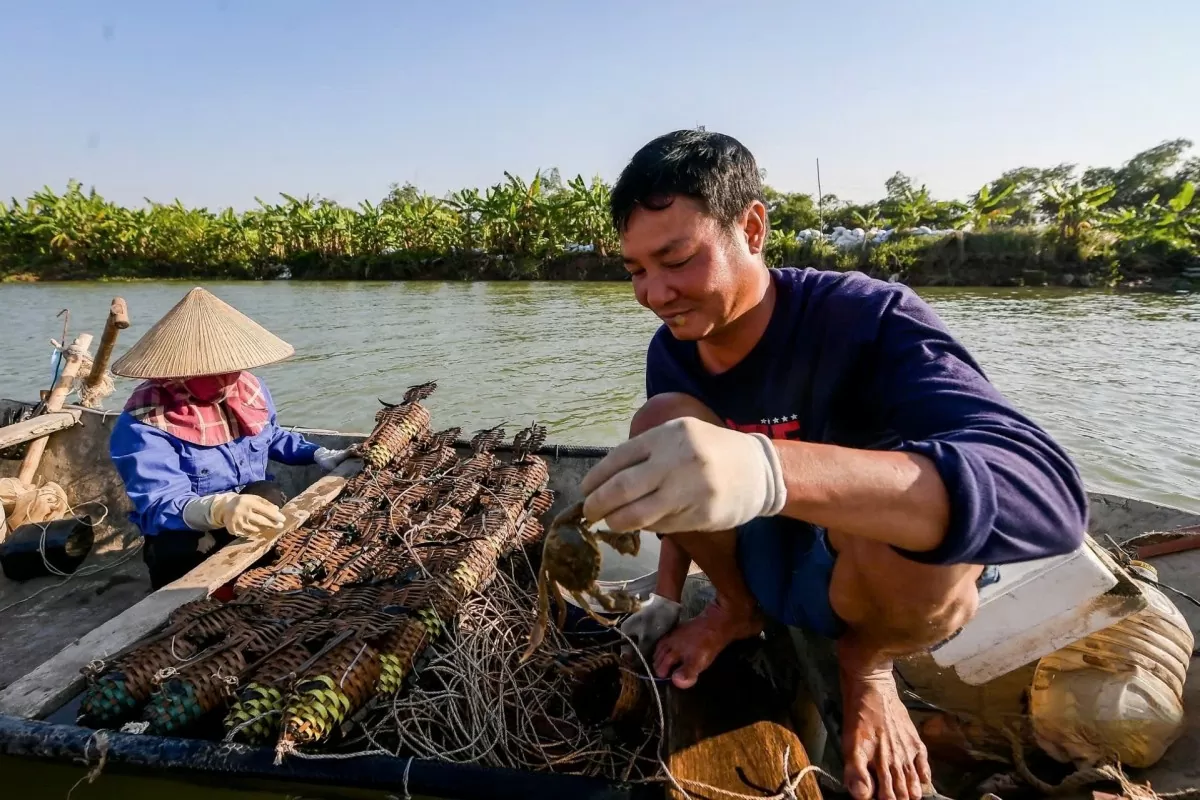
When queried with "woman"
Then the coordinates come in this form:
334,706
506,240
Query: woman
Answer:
193,441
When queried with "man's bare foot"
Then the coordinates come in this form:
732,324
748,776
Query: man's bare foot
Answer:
884,756
687,650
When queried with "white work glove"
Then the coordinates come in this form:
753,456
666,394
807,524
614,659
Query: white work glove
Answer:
327,459
244,515
685,475
651,622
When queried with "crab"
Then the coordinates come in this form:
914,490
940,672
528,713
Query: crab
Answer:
571,561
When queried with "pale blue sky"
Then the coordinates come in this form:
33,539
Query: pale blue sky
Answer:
216,101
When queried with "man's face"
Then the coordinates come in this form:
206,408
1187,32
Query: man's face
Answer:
686,268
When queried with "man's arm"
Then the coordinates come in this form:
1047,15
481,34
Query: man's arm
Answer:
290,447
972,479
895,498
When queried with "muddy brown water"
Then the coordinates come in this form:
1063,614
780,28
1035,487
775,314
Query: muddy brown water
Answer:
1112,377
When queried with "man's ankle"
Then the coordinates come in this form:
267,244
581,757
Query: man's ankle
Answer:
858,660
737,606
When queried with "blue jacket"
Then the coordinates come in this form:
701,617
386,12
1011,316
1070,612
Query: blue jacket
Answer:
162,473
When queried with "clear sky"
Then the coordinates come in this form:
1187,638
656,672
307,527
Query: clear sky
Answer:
216,101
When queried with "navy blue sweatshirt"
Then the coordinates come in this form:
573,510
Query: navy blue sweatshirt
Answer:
853,361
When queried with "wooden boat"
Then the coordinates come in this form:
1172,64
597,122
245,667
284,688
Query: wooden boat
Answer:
52,627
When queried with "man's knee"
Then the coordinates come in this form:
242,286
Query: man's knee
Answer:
875,587
668,406
933,619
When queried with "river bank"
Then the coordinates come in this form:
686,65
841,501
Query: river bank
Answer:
1134,233
1002,258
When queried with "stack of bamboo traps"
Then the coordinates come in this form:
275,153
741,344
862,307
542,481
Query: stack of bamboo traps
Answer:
317,650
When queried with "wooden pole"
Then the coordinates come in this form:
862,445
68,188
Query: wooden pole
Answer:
58,396
118,320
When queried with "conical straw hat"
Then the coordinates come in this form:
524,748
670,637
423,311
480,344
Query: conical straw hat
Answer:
201,335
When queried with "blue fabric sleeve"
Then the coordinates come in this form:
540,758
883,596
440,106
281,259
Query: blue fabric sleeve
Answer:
287,447
149,467
660,370
1014,493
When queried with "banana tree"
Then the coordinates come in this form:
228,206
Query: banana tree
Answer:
913,207
1076,207
986,209
585,214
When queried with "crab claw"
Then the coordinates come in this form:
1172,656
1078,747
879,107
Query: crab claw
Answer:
535,640
538,632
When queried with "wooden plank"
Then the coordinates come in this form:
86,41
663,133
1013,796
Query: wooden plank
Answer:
733,729
35,427
56,680
72,361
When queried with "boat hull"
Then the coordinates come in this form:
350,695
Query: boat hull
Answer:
233,766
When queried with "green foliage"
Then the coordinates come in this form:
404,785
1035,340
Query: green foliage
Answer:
791,212
79,234
987,208
1076,207
1110,222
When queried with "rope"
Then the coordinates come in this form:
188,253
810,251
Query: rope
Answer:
235,730
100,738
89,396
786,792
475,702
1086,776
82,572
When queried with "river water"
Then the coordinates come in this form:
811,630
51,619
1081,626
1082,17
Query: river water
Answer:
1112,377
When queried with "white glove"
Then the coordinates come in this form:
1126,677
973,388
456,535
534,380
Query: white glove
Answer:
685,475
651,622
244,515
327,459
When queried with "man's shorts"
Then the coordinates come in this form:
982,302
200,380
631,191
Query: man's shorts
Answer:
788,565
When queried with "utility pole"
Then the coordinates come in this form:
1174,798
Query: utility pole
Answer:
820,199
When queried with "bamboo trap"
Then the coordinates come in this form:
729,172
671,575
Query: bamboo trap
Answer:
341,610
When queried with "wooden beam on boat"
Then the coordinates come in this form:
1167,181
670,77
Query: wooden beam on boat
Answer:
36,427
733,730
56,680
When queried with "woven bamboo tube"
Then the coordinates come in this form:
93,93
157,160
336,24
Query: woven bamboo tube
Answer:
255,715
333,688
197,689
120,692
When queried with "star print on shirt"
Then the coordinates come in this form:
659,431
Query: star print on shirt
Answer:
786,426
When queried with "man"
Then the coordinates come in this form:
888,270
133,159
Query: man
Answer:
819,444
193,441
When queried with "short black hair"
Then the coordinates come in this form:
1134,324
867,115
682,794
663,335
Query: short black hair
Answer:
713,168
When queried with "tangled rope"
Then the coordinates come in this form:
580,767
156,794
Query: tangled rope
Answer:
474,701
82,572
